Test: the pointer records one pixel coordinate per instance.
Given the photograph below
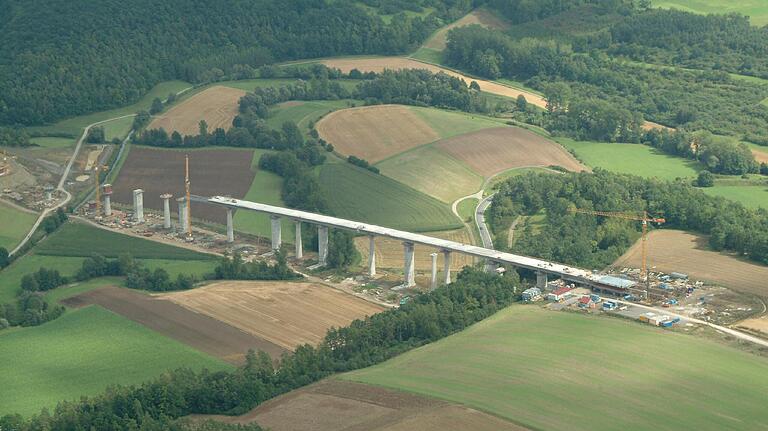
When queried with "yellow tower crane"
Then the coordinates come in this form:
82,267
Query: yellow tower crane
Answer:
644,219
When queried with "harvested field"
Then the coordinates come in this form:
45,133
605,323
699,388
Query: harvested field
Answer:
481,17
217,105
287,314
172,320
760,156
212,172
490,151
674,250
378,64
335,405
389,252
759,324
370,133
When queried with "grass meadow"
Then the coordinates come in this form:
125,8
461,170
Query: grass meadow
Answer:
751,196
14,225
82,353
757,10
613,371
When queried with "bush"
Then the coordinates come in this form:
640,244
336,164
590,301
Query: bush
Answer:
705,179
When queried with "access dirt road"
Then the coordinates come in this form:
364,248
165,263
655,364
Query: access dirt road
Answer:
172,320
337,405
287,314
217,106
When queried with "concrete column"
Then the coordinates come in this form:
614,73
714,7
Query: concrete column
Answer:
447,266
183,216
138,206
167,210
107,205
322,245
410,267
541,279
371,256
299,245
433,281
230,227
277,235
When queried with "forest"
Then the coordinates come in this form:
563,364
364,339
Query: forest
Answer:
426,318
67,58
594,242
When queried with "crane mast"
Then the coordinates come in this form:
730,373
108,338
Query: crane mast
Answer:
186,189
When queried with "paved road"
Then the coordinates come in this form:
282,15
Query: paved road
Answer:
485,234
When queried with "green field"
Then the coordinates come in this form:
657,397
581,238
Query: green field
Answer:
757,10
74,126
117,128
361,195
466,209
78,239
266,188
302,113
749,196
636,159
452,123
433,172
51,142
14,225
566,371
82,353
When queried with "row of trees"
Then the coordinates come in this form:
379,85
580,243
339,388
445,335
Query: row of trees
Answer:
594,242
11,137
426,318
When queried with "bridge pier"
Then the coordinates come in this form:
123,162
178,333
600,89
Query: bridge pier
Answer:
299,245
410,267
138,206
433,280
371,256
230,227
277,234
322,245
166,210
447,266
183,216
541,279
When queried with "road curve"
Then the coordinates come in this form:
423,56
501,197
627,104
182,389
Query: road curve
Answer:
482,226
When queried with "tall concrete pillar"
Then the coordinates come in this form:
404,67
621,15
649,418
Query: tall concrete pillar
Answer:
433,280
541,279
447,266
230,227
183,216
322,245
138,206
371,256
299,244
107,205
167,210
277,234
410,267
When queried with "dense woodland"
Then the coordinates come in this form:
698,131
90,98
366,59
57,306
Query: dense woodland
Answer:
425,318
594,242
65,58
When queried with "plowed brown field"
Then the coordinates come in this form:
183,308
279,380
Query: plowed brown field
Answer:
199,331
490,151
213,172
678,251
335,405
217,105
379,64
375,132
287,314
390,254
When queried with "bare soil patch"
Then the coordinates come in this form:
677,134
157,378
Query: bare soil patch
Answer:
375,132
287,314
217,105
332,405
481,17
490,151
379,64
172,320
212,172
678,251
650,125
758,324
390,253
760,156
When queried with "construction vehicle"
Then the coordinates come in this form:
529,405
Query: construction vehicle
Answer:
644,219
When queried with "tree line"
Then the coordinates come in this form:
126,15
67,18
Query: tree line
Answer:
70,58
594,242
424,319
